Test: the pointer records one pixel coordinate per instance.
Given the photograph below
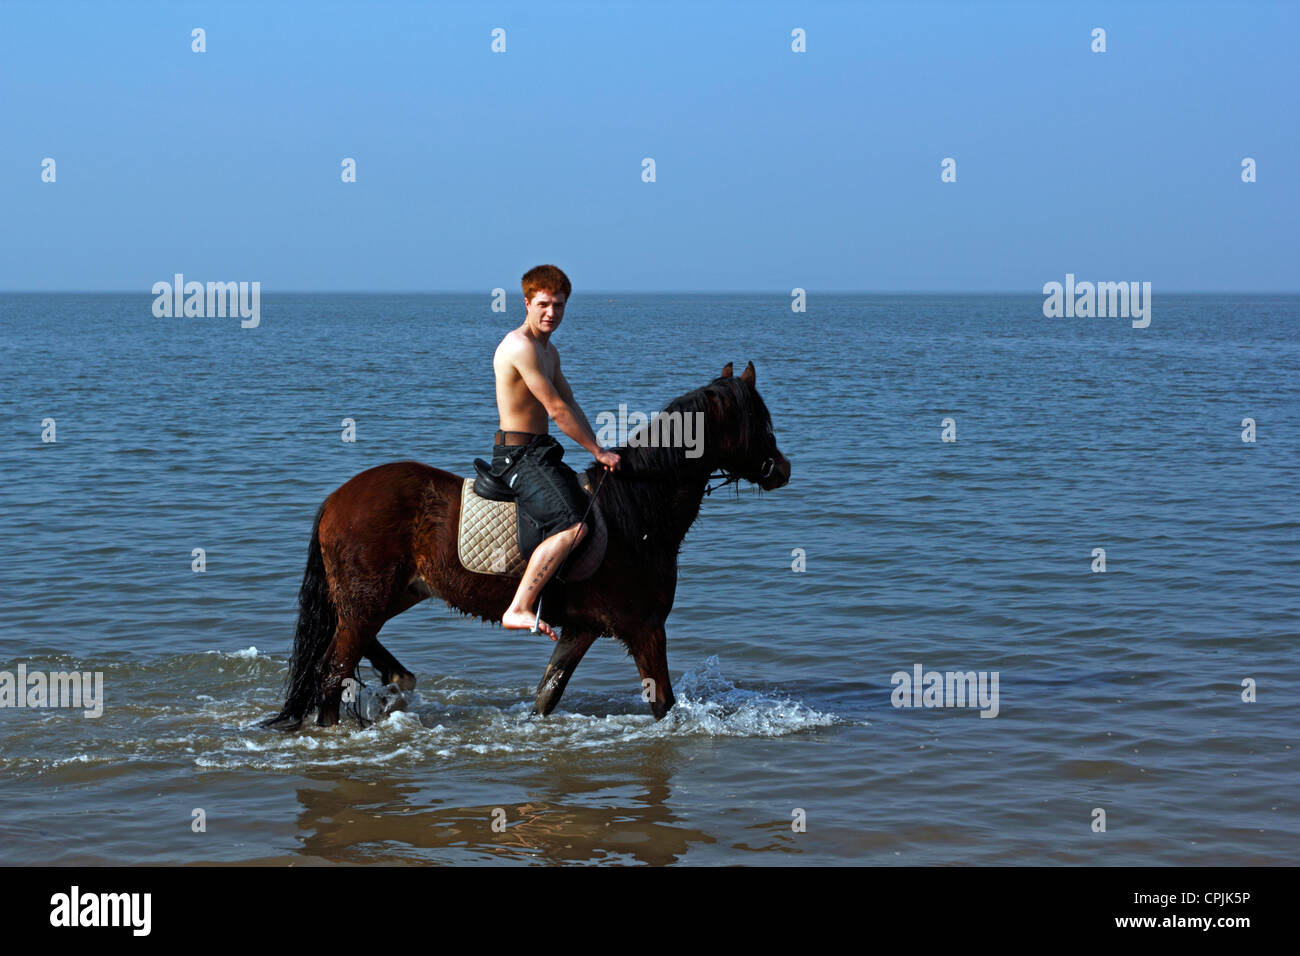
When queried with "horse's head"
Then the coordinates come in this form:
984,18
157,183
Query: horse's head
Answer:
745,444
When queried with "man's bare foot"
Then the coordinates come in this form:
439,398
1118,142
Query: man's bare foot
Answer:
523,621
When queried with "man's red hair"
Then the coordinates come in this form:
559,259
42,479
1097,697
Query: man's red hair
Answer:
549,279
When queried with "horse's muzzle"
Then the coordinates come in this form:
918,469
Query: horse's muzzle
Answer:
775,472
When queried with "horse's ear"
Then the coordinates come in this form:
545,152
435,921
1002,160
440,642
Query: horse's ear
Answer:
747,376
726,371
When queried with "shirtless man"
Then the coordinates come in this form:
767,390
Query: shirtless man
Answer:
530,389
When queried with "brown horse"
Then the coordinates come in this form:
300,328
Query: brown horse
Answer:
386,540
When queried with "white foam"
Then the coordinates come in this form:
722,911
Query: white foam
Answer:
247,654
708,705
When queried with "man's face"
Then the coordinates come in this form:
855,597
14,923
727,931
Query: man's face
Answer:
545,311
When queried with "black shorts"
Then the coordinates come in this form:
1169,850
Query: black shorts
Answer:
547,490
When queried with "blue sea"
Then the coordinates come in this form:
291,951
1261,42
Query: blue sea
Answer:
1146,712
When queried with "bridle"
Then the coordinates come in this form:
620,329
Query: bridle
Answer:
724,477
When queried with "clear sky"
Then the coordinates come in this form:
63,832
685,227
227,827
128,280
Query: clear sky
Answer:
774,169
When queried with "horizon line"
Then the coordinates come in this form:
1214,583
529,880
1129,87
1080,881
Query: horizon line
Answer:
607,292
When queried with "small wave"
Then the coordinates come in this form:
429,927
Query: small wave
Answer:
708,702
448,724
247,654
449,721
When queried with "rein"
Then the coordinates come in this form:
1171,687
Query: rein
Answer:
727,478
721,476
724,478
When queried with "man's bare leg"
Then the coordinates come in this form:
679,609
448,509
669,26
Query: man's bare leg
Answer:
541,566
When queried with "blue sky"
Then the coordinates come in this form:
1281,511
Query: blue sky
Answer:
774,169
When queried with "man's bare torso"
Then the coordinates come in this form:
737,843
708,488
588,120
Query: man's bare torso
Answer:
518,408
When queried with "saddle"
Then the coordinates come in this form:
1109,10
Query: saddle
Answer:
496,537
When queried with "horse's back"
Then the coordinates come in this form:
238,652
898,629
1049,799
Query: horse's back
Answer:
388,496
400,477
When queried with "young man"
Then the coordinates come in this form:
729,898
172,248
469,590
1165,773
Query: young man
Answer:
530,390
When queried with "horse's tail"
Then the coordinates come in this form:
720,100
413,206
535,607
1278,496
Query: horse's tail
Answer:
317,618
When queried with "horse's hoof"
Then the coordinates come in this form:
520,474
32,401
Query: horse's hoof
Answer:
286,723
404,682
659,708
391,699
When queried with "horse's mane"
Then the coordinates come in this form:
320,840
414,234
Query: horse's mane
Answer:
643,491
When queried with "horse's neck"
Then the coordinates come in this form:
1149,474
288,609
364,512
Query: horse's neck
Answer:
686,505
669,508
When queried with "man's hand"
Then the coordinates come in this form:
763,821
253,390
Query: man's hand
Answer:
607,458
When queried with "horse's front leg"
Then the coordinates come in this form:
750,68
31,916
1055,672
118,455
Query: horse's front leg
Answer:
390,668
568,653
650,650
